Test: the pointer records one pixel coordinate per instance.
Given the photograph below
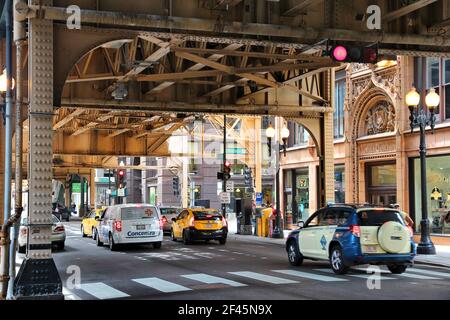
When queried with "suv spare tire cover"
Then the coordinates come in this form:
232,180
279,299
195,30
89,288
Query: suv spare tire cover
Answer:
393,237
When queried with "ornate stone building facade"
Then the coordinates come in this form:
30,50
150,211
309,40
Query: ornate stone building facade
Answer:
376,157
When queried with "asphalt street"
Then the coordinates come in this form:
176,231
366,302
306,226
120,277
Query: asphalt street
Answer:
238,270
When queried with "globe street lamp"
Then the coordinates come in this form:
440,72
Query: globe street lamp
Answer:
270,134
420,117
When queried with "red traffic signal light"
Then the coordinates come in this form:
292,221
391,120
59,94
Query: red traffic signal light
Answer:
347,53
339,53
121,173
227,164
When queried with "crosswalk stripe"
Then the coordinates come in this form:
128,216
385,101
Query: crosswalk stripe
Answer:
367,276
263,277
417,276
309,275
206,278
406,275
429,272
161,285
363,276
102,291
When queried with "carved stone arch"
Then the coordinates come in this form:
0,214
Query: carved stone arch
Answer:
369,97
72,45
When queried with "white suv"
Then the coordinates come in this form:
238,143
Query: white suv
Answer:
128,224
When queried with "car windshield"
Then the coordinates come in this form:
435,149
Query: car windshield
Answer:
136,213
167,211
378,217
207,215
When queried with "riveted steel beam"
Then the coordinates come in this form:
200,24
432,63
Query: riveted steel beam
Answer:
235,27
38,277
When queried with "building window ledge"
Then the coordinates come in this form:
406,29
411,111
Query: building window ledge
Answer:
441,125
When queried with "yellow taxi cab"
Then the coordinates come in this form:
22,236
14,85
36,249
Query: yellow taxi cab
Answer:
90,222
199,224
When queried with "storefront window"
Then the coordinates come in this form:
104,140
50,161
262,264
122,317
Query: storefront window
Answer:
382,184
383,175
438,193
339,183
302,193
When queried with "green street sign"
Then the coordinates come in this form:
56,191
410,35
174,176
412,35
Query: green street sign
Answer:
235,150
76,187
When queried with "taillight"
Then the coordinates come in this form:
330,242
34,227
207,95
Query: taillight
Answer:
356,230
59,229
164,219
191,222
118,225
224,222
161,222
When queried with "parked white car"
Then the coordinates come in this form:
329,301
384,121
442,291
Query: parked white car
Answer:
58,233
130,224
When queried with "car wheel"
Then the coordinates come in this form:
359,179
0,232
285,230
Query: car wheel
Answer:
157,245
223,240
84,235
22,249
112,245
99,243
186,239
397,268
294,256
172,235
337,261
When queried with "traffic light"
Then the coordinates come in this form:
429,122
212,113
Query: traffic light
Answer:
248,180
176,186
351,53
121,178
227,170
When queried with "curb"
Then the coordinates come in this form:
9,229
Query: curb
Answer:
435,264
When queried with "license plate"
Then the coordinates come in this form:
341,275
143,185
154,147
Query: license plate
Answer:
371,248
140,227
208,225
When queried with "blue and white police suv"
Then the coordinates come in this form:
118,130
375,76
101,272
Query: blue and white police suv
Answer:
130,224
348,235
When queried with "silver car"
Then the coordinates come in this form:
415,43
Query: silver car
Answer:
167,213
58,234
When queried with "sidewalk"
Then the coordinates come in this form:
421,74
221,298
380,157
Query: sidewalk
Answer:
441,258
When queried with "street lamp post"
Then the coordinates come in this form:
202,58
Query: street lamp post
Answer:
420,117
270,133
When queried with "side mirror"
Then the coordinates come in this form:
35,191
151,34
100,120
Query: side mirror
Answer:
300,224
97,218
173,219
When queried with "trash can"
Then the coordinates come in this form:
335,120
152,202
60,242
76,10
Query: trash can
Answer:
265,228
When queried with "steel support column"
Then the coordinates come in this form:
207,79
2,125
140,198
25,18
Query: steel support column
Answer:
38,277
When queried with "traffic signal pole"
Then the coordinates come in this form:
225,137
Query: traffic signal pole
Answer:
224,184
